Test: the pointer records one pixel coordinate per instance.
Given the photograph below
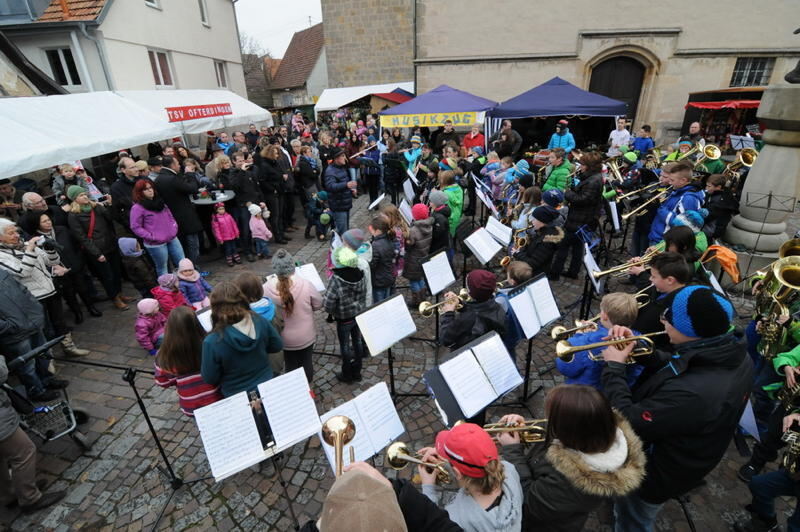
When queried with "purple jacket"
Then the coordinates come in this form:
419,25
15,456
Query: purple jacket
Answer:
195,291
149,328
154,227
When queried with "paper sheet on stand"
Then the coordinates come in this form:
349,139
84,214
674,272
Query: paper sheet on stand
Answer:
408,190
290,409
405,211
376,408
385,324
204,317
482,245
614,213
591,266
544,301
229,434
377,202
525,311
438,273
500,232
467,381
309,273
497,365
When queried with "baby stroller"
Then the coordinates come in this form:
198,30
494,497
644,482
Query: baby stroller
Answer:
50,421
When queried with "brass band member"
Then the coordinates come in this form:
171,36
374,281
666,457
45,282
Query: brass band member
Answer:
590,453
544,243
477,317
558,172
687,413
685,196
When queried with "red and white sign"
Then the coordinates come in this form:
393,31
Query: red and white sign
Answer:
193,112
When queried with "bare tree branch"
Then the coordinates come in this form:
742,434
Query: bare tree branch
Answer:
253,54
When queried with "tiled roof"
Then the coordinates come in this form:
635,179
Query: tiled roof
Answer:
300,58
271,66
76,10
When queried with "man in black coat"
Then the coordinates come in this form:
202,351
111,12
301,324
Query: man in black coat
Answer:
340,190
447,136
244,182
685,414
122,192
176,189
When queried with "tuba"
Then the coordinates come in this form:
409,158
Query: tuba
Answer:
613,168
779,290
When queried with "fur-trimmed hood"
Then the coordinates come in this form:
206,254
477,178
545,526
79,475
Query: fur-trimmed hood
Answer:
618,482
553,235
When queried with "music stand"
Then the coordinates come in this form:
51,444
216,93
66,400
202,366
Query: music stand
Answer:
435,339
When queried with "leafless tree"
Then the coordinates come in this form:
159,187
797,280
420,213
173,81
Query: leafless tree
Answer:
253,54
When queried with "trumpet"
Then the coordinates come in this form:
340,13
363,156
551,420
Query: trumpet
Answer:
646,188
559,332
337,432
398,456
426,308
661,196
622,268
566,352
531,431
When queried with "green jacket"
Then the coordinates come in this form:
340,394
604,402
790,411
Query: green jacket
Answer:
455,200
713,167
558,177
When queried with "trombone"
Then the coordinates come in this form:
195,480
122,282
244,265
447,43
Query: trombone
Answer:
398,456
661,196
531,431
646,188
337,432
618,270
426,308
566,352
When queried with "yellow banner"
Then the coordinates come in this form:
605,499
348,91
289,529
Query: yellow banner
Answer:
431,119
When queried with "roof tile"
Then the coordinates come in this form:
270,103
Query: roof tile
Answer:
78,10
300,58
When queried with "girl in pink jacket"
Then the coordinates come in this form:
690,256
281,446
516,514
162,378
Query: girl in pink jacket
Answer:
150,325
226,232
259,231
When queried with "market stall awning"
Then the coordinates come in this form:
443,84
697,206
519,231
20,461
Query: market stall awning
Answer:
43,131
332,99
198,111
436,106
558,97
725,104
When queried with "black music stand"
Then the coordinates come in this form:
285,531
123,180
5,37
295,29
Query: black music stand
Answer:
392,387
435,339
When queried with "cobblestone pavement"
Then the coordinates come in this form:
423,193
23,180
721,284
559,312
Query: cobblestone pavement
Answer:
118,485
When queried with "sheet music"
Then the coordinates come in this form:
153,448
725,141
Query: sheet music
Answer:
544,302
486,201
361,443
229,434
309,273
714,282
385,324
438,273
204,317
497,364
591,266
381,421
469,384
412,173
500,232
290,409
480,185
376,202
482,245
525,312
612,210
405,211
408,190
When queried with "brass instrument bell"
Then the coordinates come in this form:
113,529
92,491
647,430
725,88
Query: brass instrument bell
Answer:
337,432
398,456
426,308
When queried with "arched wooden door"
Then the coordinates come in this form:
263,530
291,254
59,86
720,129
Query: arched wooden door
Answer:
619,78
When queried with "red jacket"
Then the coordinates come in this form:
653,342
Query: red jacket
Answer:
168,300
470,142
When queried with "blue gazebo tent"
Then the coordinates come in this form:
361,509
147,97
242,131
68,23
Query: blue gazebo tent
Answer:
557,97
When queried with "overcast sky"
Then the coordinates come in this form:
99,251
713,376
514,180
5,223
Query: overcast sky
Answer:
272,22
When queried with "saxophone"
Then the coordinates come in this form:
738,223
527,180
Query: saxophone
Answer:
792,454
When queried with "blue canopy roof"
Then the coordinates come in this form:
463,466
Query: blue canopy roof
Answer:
556,98
442,99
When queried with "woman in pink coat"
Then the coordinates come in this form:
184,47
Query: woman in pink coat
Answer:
296,299
226,232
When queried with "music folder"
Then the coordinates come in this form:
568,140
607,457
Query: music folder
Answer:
482,245
385,323
236,435
534,305
472,378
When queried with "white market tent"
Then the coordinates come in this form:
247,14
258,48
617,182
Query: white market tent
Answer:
242,111
332,99
43,131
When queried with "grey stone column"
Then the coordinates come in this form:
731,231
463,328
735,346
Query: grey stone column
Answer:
761,223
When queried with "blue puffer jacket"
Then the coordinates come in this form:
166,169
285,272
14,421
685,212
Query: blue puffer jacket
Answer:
195,291
583,370
566,141
688,198
340,199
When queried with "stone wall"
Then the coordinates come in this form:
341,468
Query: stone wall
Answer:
368,41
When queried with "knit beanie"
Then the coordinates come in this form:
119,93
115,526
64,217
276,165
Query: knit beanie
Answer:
147,306
419,211
700,312
477,150
283,263
481,285
416,139
694,220
344,257
630,157
74,191
522,167
168,281
553,197
526,181
254,209
359,503
185,264
437,197
322,195
370,139
324,218
353,238
545,214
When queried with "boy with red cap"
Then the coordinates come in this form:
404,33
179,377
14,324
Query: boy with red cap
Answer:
478,316
490,495
418,246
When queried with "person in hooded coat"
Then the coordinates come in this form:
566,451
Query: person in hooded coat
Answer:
562,138
418,246
477,317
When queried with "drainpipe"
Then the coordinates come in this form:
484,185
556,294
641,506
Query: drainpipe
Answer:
414,44
76,44
101,53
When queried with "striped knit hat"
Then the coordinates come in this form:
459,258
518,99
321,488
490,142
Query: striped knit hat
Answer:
700,312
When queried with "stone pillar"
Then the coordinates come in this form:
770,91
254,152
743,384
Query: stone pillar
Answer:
760,226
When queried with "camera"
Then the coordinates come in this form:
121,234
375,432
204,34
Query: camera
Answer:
48,244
